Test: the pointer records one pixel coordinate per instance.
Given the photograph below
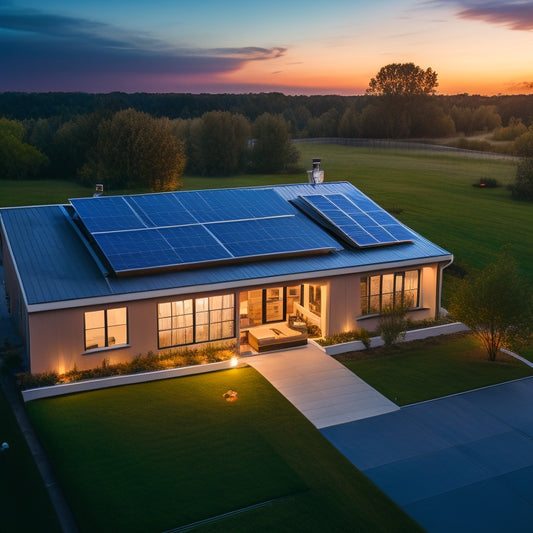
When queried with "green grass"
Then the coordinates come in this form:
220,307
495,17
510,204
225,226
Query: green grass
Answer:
157,456
24,502
424,370
433,191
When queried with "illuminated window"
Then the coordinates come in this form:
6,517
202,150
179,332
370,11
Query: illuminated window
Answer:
400,288
106,328
196,320
315,299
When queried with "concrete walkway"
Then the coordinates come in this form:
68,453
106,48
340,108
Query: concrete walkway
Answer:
320,387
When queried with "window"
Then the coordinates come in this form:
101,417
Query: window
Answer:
315,299
105,328
196,320
378,292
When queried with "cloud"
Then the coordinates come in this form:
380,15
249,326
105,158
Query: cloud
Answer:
517,15
522,87
56,52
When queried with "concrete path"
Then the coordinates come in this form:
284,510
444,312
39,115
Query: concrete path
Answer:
320,387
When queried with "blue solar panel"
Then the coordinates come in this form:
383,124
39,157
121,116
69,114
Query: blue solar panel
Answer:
107,213
159,231
357,220
235,204
136,250
194,244
271,236
160,210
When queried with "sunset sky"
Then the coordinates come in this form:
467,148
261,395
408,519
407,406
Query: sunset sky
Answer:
292,46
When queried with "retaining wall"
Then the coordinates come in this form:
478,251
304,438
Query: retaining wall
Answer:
415,334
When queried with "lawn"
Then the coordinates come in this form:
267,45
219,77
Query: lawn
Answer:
424,370
161,455
24,502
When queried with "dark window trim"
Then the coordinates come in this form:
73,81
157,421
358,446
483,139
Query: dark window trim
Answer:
366,312
194,341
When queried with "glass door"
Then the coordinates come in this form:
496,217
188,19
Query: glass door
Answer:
274,310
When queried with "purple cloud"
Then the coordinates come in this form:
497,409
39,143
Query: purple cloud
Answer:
44,52
518,15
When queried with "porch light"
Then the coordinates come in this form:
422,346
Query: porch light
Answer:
234,361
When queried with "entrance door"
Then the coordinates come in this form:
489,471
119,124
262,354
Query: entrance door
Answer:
274,300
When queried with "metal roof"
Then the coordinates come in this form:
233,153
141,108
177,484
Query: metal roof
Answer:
55,265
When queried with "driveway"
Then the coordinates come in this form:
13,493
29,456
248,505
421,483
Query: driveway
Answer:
463,463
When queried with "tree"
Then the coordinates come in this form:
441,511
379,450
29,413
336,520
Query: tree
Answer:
221,143
272,150
496,305
403,79
136,150
402,89
18,159
522,188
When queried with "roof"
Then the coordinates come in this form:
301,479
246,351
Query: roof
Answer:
57,269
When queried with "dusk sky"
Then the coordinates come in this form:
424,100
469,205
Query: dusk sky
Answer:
292,46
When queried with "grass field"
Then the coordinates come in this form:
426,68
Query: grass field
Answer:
161,455
431,191
24,502
424,370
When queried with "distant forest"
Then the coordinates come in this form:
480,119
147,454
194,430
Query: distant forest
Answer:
298,110
127,139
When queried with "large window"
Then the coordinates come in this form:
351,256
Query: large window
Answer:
106,328
385,290
196,320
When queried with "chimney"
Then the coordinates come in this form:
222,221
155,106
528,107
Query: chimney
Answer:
99,190
316,175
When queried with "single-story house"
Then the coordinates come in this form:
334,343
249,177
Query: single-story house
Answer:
112,277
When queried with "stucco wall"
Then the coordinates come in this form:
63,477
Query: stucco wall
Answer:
345,301
57,337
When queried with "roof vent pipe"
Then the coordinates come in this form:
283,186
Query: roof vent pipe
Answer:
316,175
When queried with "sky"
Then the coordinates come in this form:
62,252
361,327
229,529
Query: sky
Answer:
237,46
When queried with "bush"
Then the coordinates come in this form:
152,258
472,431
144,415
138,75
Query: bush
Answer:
487,183
210,353
392,323
348,336
522,188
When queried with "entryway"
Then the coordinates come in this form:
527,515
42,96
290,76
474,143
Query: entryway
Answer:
321,388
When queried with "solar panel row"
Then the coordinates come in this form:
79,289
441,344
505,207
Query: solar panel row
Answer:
359,221
155,231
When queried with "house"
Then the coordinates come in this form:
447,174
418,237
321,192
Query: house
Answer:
112,277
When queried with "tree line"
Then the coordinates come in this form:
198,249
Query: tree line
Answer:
133,149
143,140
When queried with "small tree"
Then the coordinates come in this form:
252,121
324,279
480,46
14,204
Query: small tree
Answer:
496,305
393,322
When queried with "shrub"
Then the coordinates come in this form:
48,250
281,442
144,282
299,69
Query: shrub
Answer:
209,353
392,323
487,183
348,336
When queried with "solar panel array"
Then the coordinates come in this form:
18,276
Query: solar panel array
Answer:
358,220
171,230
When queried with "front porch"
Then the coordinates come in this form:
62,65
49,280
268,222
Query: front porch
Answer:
276,318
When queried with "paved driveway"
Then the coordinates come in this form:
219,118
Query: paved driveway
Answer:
458,464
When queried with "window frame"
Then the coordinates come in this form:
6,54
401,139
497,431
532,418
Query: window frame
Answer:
366,308
106,327
202,318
